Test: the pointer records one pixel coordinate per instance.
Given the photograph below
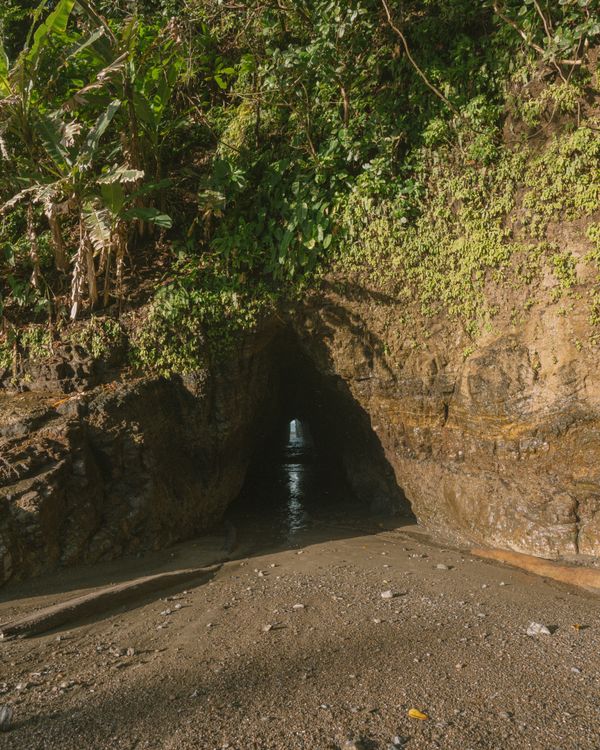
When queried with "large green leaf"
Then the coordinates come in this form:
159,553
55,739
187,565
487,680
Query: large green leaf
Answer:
4,68
56,23
151,215
150,187
50,131
122,175
81,45
35,17
143,110
113,196
97,224
93,139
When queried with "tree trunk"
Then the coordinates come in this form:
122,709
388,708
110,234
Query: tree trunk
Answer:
78,278
33,247
106,296
60,253
91,273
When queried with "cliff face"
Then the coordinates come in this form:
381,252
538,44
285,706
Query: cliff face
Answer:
125,466
497,443
492,439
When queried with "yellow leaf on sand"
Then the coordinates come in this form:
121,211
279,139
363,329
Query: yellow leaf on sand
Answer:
414,713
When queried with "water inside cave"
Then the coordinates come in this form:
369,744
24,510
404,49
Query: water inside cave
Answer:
318,461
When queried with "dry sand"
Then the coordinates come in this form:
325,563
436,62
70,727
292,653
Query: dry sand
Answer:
237,663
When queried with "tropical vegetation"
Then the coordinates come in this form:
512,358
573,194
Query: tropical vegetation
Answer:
207,158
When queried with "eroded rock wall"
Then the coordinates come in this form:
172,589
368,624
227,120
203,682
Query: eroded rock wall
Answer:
496,442
126,466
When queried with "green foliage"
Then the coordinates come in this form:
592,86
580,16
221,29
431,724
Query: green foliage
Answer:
6,353
35,341
98,336
558,98
277,141
593,234
563,181
463,235
32,342
442,256
196,318
84,116
564,266
558,32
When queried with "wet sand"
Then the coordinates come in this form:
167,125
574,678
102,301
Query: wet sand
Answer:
294,647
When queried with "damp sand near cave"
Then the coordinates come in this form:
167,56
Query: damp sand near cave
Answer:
295,647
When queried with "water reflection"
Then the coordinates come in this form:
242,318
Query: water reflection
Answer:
291,490
298,447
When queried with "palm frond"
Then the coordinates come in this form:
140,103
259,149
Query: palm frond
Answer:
122,175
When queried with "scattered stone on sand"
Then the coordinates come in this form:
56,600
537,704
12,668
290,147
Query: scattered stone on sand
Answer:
6,717
536,628
355,744
441,566
333,653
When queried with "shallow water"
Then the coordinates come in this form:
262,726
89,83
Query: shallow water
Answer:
291,491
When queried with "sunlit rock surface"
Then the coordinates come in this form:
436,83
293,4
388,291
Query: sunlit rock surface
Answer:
496,442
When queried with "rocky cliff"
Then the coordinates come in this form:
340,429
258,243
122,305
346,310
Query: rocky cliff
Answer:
450,363
125,465
496,442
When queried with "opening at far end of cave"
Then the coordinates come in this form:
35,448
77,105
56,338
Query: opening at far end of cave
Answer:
318,461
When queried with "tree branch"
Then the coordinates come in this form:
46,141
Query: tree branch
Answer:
412,61
530,42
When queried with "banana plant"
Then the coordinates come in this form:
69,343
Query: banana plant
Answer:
60,160
108,213
62,183
18,88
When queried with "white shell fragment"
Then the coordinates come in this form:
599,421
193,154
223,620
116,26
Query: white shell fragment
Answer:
536,628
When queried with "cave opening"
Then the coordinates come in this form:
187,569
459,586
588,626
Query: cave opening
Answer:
318,460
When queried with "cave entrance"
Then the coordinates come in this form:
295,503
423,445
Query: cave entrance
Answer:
292,487
318,462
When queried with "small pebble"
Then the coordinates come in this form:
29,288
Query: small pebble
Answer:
6,717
